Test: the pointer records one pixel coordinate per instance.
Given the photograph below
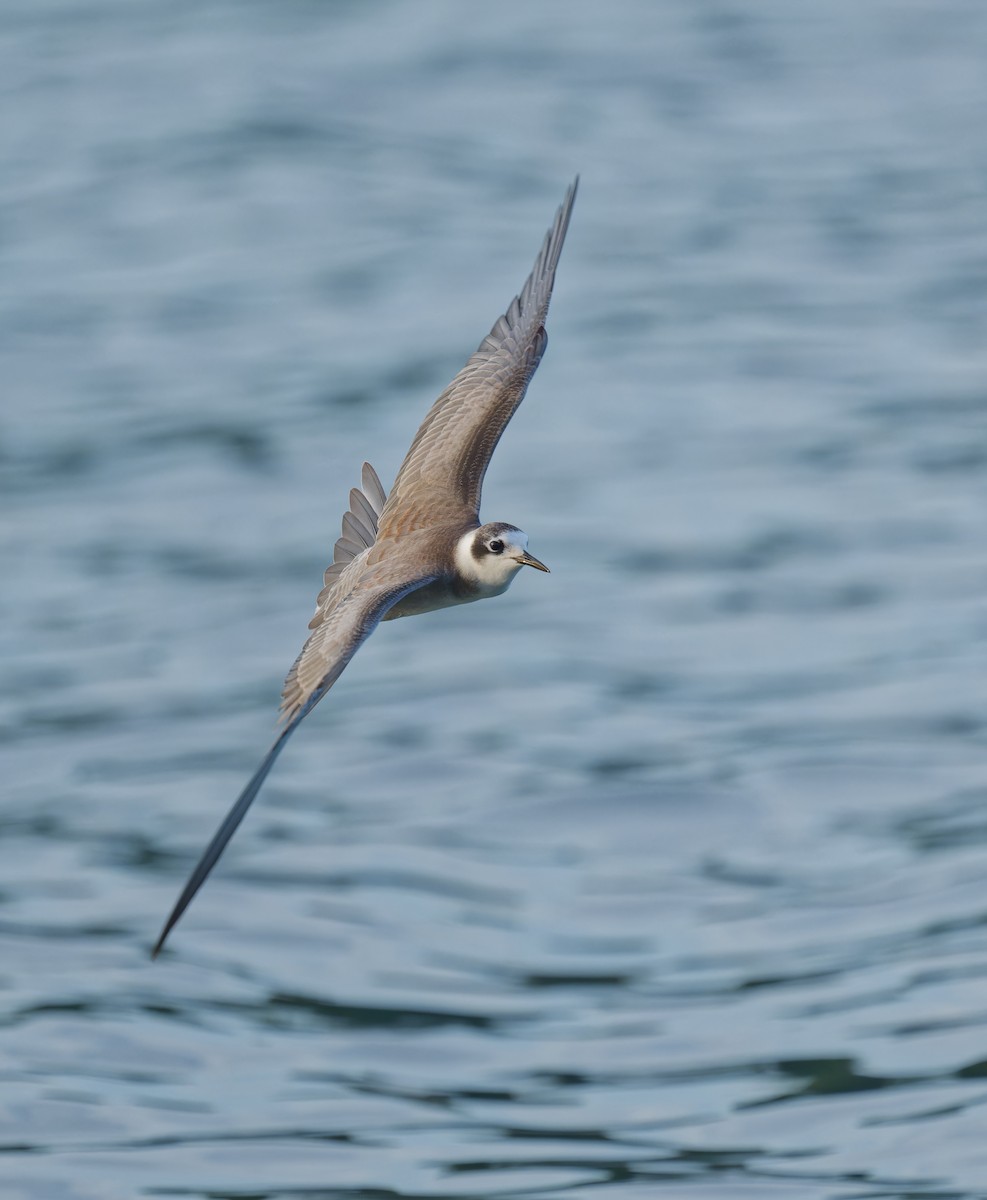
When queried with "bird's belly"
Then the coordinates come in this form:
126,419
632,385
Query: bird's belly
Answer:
440,594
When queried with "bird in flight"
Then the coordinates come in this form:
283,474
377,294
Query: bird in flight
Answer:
421,547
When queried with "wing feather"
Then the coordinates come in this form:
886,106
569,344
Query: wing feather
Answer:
373,489
355,529
356,586
361,509
442,475
324,658
346,548
359,531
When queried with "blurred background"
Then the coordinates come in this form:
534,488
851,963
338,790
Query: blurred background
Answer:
663,874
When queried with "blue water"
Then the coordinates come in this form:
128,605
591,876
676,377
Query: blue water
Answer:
664,874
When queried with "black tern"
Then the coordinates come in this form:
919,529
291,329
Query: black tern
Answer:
421,547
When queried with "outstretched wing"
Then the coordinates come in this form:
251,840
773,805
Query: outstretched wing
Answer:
351,621
442,474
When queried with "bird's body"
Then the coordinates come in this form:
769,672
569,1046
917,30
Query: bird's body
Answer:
422,546
462,579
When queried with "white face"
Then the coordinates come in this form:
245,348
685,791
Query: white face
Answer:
497,564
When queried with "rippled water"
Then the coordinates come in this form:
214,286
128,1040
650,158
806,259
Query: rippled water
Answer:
663,874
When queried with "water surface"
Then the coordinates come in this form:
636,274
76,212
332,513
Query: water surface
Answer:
665,873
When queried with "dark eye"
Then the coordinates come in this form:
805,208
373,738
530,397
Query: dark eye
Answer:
496,546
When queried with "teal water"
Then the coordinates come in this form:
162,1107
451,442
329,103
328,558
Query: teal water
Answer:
665,874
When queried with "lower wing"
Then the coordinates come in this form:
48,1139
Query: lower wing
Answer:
353,620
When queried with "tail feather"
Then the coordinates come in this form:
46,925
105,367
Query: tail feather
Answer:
359,532
360,523
373,489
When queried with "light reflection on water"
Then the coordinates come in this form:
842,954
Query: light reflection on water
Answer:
666,871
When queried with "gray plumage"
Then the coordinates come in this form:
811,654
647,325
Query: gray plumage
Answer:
396,554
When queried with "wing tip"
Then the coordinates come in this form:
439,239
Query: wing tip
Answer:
538,286
555,238
159,944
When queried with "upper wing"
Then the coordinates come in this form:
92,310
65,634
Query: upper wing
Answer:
350,622
442,474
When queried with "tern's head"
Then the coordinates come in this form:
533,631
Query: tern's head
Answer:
493,554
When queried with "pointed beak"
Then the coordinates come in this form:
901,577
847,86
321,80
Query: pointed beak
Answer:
529,560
